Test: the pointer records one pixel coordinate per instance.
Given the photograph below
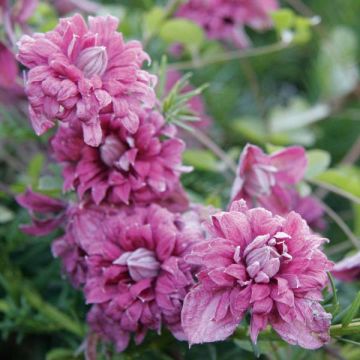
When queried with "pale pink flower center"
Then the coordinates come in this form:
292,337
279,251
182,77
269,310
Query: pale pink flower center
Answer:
142,263
263,256
260,179
93,61
112,150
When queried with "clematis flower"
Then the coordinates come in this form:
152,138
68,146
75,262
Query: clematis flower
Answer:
226,19
18,14
348,269
78,72
47,213
136,276
67,6
261,263
127,167
10,90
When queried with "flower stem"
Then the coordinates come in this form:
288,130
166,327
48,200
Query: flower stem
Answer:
228,56
211,145
342,225
335,190
49,311
339,330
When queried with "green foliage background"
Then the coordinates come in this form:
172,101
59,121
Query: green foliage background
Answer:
307,93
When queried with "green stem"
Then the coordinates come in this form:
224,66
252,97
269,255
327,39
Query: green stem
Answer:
211,145
339,330
52,313
335,190
228,56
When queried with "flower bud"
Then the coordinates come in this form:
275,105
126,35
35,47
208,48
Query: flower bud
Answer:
142,263
93,61
111,150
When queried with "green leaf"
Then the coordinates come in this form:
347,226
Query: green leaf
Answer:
318,162
336,67
302,33
201,159
153,20
345,178
297,114
183,31
352,311
6,215
283,19
35,167
61,354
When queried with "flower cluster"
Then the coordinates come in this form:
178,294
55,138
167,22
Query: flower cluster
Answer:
269,181
123,243
226,19
131,241
269,265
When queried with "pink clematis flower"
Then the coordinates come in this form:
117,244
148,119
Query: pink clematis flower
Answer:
78,72
136,276
226,19
268,265
139,167
348,269
10,90
18,14
47,213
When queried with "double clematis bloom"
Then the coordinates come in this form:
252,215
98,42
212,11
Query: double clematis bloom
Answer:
226,19
269,181
268,265
78,72
136,276
140,167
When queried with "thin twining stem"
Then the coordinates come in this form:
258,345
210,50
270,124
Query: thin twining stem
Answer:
335,190
342,225
335,249
228,56
211,145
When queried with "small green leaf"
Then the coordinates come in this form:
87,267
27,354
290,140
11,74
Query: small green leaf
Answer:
61,354
351,311
6,215
318,162
201,159
183,31
283,19
346,178
153,20
35,167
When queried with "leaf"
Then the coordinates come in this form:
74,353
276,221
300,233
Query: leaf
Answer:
296,114
6,215
345,178
351,311
182,31
318,162
61,354
153,20
201,159
283,19
336,66
35,167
